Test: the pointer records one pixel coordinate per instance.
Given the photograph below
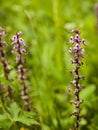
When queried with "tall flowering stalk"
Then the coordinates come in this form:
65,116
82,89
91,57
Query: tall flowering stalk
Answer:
77,51
5,63
19,48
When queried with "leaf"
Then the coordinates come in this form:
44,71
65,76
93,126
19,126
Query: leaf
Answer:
27,118
4,122
17,115
14,110
27,121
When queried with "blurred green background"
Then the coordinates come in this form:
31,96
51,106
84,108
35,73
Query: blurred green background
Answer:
43,23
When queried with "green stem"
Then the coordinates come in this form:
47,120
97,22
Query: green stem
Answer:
57,34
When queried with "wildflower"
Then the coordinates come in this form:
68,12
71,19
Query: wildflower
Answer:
19,48
78,52
5,63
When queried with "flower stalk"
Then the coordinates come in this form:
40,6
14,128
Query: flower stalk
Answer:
78,54
5,63
19,48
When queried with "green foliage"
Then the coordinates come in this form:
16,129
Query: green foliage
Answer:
14,115
43,23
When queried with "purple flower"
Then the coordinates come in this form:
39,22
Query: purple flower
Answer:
14,39
71,40
77,48
21,42
77,53
19,48
18,44
19,33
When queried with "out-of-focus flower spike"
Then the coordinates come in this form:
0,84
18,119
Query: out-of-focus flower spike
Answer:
77,51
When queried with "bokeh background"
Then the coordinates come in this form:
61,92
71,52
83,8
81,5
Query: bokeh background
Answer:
43,23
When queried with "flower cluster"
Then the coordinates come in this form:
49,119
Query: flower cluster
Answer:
19,48
78,53
5,63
